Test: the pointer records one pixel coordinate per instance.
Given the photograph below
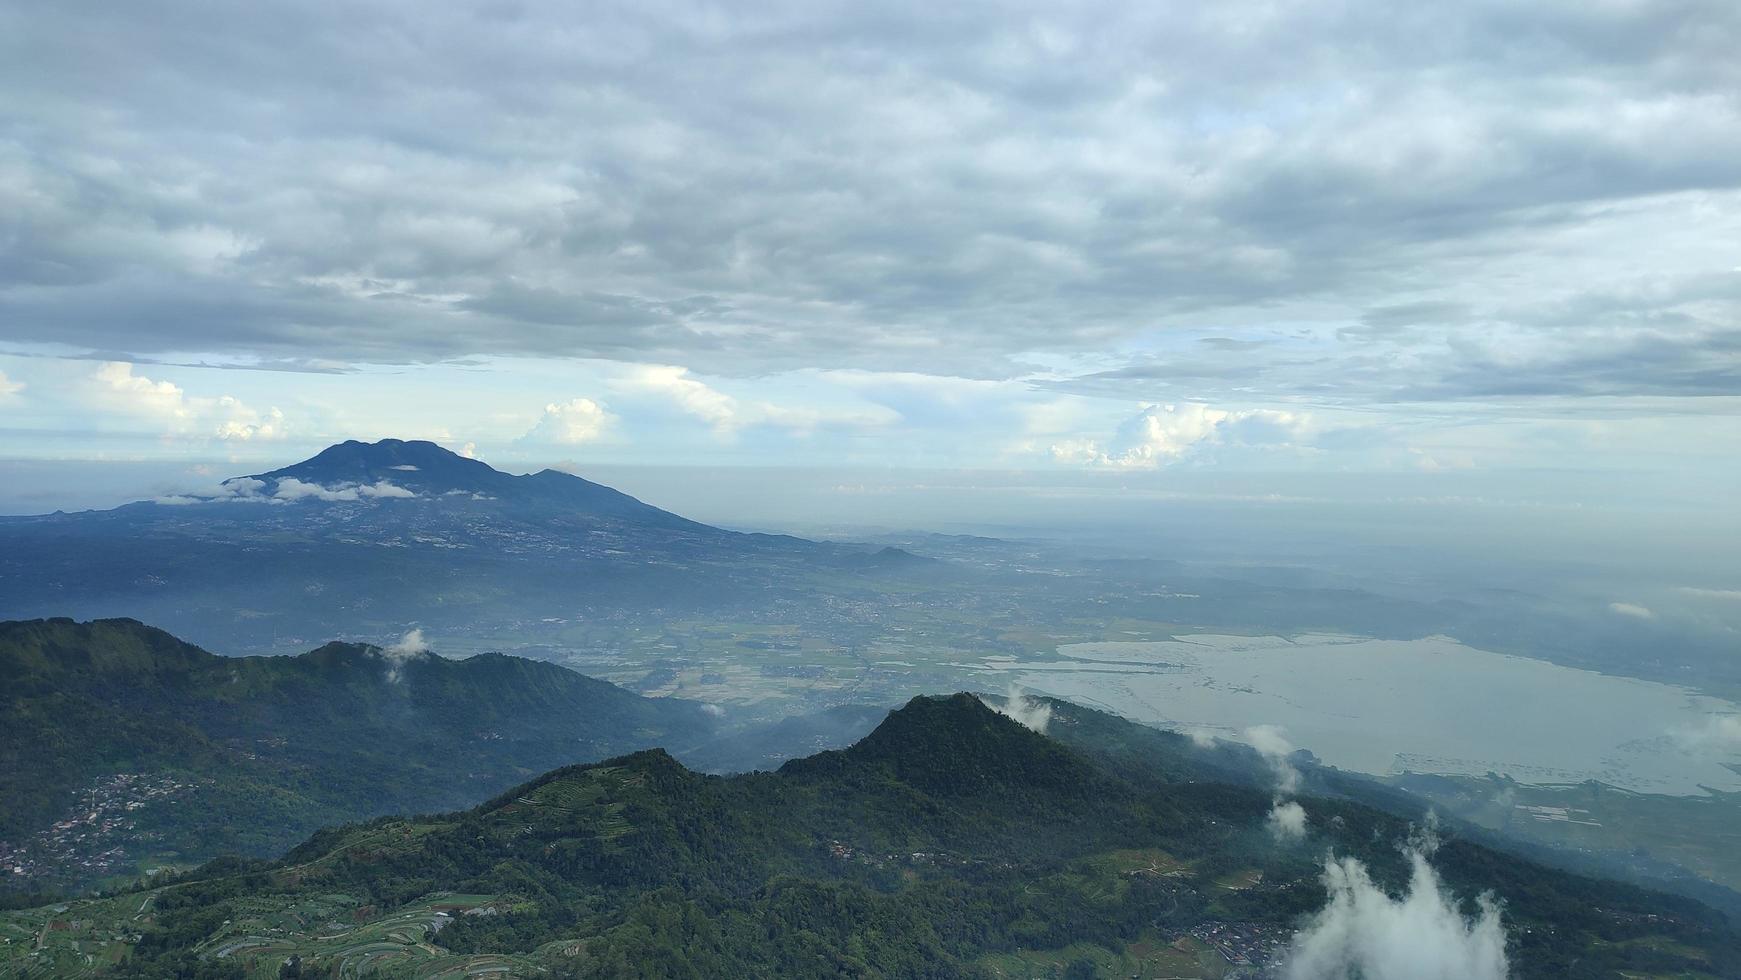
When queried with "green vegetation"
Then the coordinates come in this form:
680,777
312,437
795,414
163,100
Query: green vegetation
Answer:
147,751
1701,834
951,842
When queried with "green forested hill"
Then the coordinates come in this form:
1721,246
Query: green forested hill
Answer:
250,755
951,842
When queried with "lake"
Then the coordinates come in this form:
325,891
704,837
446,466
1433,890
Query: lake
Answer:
1427,705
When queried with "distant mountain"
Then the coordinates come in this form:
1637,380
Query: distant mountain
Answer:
426,470
369,539
250,754
950,842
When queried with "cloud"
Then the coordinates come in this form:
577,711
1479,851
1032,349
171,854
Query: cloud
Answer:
1421,934
1161,434
412,644
407,648
245,425
1729,595
1719,732
164,403
1287,821
291,489
8,387
1024,710
1631,610
694,397
383,489
727,415
884,190
571,423
1201,738
241,489
1272,744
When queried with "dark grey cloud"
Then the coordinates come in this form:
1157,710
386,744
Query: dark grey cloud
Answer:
1657,364
1429,190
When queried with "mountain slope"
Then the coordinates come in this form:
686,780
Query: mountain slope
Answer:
253,753
866,862
427,470
370,539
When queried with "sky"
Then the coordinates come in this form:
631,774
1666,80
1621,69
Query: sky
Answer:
1480,251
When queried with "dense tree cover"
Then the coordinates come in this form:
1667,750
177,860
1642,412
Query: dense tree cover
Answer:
269,749
949,833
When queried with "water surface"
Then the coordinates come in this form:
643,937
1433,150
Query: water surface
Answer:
1428,705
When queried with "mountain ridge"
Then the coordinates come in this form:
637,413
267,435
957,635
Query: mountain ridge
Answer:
428,469
274,746
637,866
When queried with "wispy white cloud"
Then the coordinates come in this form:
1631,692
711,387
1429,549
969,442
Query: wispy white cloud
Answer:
728,415
291,489
1287,821
1728,595
1024,710
1161,434
1421,935
1719,732
1631,610
407,648
1271,742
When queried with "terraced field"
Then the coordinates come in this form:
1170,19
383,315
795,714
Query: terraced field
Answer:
71,940
1149,957
325,932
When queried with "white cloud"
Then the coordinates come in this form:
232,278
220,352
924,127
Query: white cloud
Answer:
727,415
716,408
1023,710
1630,609
1421,935
225,417
1160,434
1272,744
1732,595
242,489
9,387
1720,732
290,488
141,394
409,647
571,423
385,489
243,424
1287,821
